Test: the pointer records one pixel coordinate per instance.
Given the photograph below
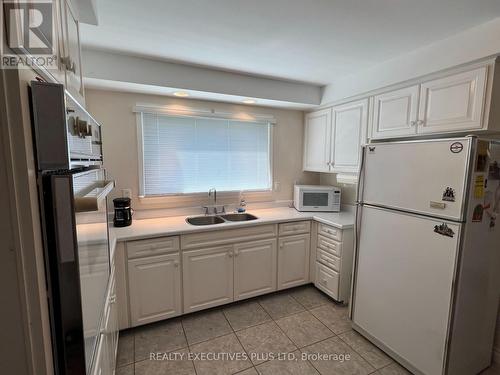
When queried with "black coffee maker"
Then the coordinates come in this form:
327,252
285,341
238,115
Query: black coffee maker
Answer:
123,212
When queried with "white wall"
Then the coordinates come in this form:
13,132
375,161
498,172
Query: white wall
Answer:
473,44
114,111
112,67
348,196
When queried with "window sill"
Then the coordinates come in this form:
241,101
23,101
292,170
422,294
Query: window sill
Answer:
200,199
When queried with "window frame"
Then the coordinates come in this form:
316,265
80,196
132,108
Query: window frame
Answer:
185,198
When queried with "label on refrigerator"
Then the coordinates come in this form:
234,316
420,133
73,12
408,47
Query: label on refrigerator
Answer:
479,187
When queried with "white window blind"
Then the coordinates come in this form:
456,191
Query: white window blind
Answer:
183,155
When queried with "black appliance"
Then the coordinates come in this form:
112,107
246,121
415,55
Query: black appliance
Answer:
73,191
123,212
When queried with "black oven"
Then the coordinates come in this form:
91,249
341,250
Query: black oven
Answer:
73,191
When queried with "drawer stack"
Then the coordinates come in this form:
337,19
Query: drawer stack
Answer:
334,254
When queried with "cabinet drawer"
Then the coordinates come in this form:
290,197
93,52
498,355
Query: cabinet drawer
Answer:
155,246
331,246
328,259
223,237
296,227
330,232
327,280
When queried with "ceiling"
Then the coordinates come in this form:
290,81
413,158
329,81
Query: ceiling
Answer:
314,41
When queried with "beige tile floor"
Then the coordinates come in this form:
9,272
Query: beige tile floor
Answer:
302,322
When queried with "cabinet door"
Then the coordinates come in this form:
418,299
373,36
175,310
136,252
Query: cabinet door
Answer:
349,132
317,141
71,54
254,268
155,288
395,113
293,261
208,277
453,103
327,280
113,324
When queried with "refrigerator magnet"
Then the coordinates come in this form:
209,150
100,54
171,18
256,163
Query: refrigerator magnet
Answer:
444,230
449,195
478,213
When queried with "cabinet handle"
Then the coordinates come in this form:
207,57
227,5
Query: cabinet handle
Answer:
420,122
236,253
176,264
68,64
281,245
230,254
413,123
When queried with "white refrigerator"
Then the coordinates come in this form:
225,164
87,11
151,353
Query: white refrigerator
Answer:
426,277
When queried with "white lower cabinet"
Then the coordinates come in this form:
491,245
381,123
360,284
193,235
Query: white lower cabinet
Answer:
327,279
207,277
154,288
105,357
169,276
334,256
254,268
293,260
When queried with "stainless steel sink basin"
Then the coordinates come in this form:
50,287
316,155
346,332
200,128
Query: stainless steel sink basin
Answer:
205,220
239,217
220,219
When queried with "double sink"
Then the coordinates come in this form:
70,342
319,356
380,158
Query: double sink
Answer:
219,219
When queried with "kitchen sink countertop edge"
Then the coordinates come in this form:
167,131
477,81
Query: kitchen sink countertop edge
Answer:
176,225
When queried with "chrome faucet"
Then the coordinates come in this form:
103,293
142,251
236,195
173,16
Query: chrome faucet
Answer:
214,192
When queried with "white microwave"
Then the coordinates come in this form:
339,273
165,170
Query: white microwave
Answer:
316,198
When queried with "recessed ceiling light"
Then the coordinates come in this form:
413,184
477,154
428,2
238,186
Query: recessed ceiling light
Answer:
182,94
248,101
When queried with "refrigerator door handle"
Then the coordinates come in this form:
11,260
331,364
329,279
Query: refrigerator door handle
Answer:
357,226
361,177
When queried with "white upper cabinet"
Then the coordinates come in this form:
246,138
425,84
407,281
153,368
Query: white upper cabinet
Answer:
395,113
70,54
453,103
349,132
333,138
317,138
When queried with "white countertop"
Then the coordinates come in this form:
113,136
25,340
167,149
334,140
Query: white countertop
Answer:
175,225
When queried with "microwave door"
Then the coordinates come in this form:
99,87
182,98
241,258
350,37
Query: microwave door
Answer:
316,199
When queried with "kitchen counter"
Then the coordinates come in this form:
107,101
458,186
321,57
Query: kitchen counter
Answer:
175,225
